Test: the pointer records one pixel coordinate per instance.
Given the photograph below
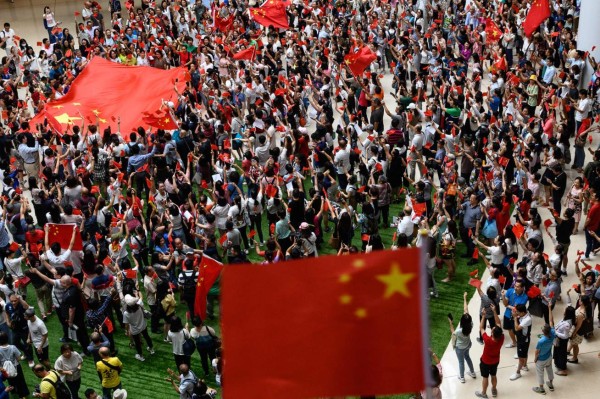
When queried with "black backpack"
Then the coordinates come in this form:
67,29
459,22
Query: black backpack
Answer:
61,389
189,283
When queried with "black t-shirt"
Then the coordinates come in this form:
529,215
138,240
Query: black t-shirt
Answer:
564,231
72,300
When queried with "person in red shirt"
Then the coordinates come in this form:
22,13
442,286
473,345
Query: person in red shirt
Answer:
33,238
491,354
592,224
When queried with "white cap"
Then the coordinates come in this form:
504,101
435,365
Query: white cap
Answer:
411,106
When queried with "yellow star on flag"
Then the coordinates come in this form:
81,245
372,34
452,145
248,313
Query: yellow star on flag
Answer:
57,106
396,281
96,112
66,118
76,104
102,120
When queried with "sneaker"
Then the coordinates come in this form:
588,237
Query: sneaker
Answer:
494,392
151,350
140,357
481,395
461,379
515,376
525,368
550,386
480,341
471,374
539,390
31,363
167,340
64,340
511,345
515,356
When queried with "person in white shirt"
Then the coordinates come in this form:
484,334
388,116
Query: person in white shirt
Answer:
53,251
582,109
38,336
7,38
406,225
342,163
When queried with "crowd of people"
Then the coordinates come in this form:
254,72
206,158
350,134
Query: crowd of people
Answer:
287,155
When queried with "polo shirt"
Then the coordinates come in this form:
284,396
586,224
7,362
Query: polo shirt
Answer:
514,300
593,217
544,345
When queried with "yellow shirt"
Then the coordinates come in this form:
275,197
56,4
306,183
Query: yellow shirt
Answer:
110,377
47,387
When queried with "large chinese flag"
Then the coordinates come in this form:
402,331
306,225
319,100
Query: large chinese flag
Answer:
493,33
208,273
540,10
327,326
160,119
359,61
271,13
62,233
110,90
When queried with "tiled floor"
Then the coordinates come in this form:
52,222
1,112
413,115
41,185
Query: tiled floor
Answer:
25,18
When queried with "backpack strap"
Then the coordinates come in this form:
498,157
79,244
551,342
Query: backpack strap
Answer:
110,366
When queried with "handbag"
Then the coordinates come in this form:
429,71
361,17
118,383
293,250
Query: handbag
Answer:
536,307
22,282
490,229
189,346
216,341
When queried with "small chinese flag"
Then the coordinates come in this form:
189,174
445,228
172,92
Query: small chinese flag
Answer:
354,299
394,237
149,182
474,273
109,325
222,239
475,282
547,223
251,233
130,274
419,208
597,268
62,233
551,295
502,280
476,253
503,161
518,230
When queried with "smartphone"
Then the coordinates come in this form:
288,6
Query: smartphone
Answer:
450,317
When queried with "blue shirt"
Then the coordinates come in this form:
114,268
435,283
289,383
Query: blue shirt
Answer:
514,300
545,344
137,161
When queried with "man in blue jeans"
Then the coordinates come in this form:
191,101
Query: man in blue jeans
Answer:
592,225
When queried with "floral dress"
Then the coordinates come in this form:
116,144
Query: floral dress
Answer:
574,202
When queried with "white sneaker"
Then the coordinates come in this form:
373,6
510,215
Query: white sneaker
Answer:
31,363
472,375
461,379
515,376
525,368
140,357
515,356
510,345
151,350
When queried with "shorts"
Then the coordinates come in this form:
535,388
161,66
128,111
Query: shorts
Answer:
508,323
522,349
44,355
487,369
576,340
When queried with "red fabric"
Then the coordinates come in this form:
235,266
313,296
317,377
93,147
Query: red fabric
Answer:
360,60
54,124
246,54
208,273
540,10
108,90
223,24
62,233
271,14
503,217
491,349
353,298
493,33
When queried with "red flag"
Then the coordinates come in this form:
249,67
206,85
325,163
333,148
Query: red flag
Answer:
475,282
419,208
109,325
223,24
540,10
476,253
62,233
246,54
251,233
501,279
547,223
208,272
359,60
104,89
493,33
501,64
503,161
271,13
354,299
474,273
518,230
